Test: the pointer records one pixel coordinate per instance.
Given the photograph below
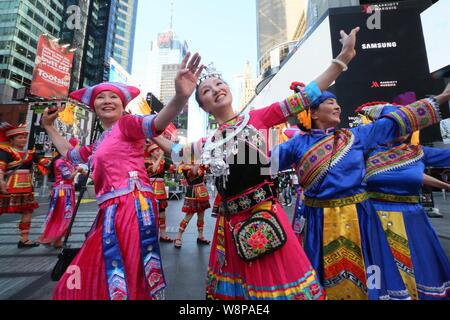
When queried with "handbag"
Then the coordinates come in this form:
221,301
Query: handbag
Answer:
67,254
258,236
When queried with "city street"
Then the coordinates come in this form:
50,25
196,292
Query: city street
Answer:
25,274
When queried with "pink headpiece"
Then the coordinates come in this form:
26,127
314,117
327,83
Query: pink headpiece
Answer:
87,95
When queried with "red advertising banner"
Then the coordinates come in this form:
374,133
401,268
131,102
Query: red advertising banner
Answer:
51,74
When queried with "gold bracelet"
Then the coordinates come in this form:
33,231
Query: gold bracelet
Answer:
342,64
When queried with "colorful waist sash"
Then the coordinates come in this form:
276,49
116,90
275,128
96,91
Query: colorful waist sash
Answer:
393,197
249,199
334,203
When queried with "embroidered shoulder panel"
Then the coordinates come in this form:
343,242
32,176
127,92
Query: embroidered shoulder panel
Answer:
17,157
392,159
315,164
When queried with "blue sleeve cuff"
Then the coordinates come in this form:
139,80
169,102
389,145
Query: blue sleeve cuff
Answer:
313,91
148,126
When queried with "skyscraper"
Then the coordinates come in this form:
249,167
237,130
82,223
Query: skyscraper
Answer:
280,24
277,22
21,23
166,54
245,87
316,8
110,34
73,32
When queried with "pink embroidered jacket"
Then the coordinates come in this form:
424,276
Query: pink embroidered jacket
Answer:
117,157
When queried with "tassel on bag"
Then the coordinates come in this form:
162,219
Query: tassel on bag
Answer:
61,192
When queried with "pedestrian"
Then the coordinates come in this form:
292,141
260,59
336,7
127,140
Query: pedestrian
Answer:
120,258
286,189
255,254
196,200
295,183
394,177
16,183
62,201
338,213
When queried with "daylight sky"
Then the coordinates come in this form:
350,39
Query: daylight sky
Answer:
221,31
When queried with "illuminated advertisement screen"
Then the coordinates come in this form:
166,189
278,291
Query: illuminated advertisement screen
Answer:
436,31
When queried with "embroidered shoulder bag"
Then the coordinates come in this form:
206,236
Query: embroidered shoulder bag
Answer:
258,236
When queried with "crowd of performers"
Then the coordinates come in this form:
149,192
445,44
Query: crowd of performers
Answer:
363,234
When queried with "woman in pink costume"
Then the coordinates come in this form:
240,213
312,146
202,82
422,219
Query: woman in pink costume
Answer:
62,202
120,258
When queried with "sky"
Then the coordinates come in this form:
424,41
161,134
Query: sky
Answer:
223,32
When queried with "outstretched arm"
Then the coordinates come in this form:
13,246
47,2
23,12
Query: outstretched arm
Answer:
435,183
185,84
164,144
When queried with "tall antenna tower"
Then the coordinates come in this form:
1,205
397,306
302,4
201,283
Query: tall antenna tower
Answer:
171,15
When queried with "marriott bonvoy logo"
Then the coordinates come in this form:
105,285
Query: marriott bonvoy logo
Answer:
369,8
379,45
383,84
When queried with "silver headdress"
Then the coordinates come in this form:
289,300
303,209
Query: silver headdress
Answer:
208,72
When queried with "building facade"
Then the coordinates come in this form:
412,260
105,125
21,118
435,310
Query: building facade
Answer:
166,54
110,34
21,23
280,24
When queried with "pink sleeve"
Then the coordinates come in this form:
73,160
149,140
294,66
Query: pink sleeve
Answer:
79,155
278,112
138,127
267,117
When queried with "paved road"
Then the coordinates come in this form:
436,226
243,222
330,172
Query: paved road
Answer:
25,274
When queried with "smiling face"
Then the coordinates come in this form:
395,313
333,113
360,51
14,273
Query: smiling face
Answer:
108,106
327,115
19,141
214,95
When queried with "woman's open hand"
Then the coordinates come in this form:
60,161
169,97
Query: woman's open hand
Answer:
190,71
348,41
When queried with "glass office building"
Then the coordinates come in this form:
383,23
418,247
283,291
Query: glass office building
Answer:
21,23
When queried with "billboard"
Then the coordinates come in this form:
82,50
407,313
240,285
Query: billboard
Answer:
390,60
52,69
436,30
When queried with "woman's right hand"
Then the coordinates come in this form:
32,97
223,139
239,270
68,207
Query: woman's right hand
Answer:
50,115
348,41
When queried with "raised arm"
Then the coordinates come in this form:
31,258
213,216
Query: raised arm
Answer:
435,183
346,55
62,145
185,84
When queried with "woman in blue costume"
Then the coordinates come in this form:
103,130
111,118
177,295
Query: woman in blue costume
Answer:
344,238
394,176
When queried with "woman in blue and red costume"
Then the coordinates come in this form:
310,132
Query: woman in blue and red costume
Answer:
344,238
16,185
62,203
196,201
258,264
394,177
120,258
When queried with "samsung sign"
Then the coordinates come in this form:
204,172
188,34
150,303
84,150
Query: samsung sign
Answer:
379,45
